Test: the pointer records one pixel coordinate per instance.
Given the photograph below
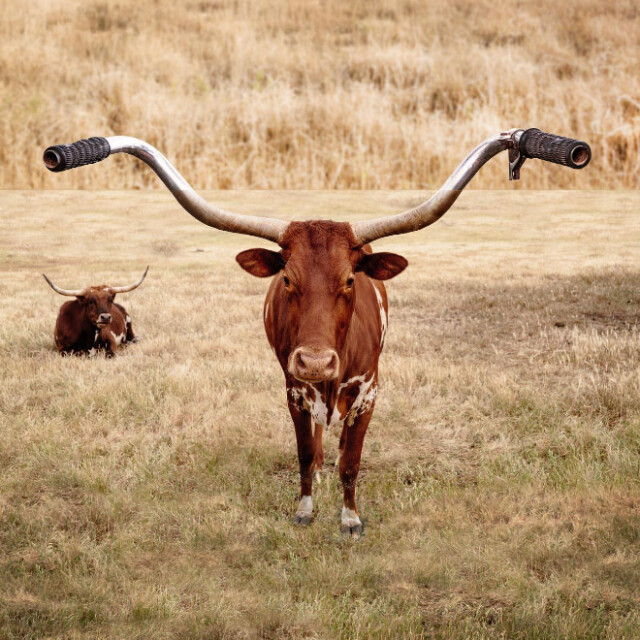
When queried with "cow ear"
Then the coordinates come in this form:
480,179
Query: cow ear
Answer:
260,262
383,265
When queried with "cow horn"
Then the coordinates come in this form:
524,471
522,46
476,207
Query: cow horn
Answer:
65,292
130,287
63,157
433,209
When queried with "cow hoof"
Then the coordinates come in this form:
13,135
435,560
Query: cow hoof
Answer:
302,519
354,532
350,524
110,354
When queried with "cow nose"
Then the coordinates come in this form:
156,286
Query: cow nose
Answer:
105,318
314,364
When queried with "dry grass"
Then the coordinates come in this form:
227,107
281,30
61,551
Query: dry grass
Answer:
330,94
150,496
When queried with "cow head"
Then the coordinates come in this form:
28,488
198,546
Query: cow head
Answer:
320,266
97,300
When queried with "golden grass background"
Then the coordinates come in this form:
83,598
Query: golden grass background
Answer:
331,94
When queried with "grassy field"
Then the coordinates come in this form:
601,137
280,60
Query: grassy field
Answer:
307,94
151,496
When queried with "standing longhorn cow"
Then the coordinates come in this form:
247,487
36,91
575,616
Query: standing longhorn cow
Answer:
93,321
326,310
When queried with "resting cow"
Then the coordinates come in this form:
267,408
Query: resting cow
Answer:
93,321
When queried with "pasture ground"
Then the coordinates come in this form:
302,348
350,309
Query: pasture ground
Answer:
151,496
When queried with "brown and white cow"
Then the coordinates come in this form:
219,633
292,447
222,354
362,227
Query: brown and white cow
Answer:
93,321
326,319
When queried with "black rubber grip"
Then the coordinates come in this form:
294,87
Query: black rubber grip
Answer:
546,146
61,157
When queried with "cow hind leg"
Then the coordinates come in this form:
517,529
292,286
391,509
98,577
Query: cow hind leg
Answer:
350,523
131,336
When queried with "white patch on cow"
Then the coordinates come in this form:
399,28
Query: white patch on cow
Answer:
128,320
311,399
365,398
266,312
350,518
383,317
96,337
305,508
117,338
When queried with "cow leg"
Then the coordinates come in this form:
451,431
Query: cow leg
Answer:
343,435
349,468
305,442
318,453
131,337
110,342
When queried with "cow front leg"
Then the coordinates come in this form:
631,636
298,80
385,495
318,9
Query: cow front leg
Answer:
305,442
318,452
108,339
350,524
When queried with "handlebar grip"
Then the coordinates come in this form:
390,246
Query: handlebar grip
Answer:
547,146
62,157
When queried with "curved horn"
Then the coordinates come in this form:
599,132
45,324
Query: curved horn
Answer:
63,157
130,287
64,292
433,209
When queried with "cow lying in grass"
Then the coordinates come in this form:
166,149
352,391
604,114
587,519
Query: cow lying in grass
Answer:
93,321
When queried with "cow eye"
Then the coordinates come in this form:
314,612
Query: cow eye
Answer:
286,281
350,281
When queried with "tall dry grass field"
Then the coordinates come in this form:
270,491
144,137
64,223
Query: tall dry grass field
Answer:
151,496
331,94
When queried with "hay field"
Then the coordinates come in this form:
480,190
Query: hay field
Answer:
151,496
314,95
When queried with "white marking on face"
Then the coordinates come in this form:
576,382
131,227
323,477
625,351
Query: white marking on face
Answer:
350,518
306,506
383,317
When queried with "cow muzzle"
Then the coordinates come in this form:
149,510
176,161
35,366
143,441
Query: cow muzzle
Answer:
311,364
104,319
